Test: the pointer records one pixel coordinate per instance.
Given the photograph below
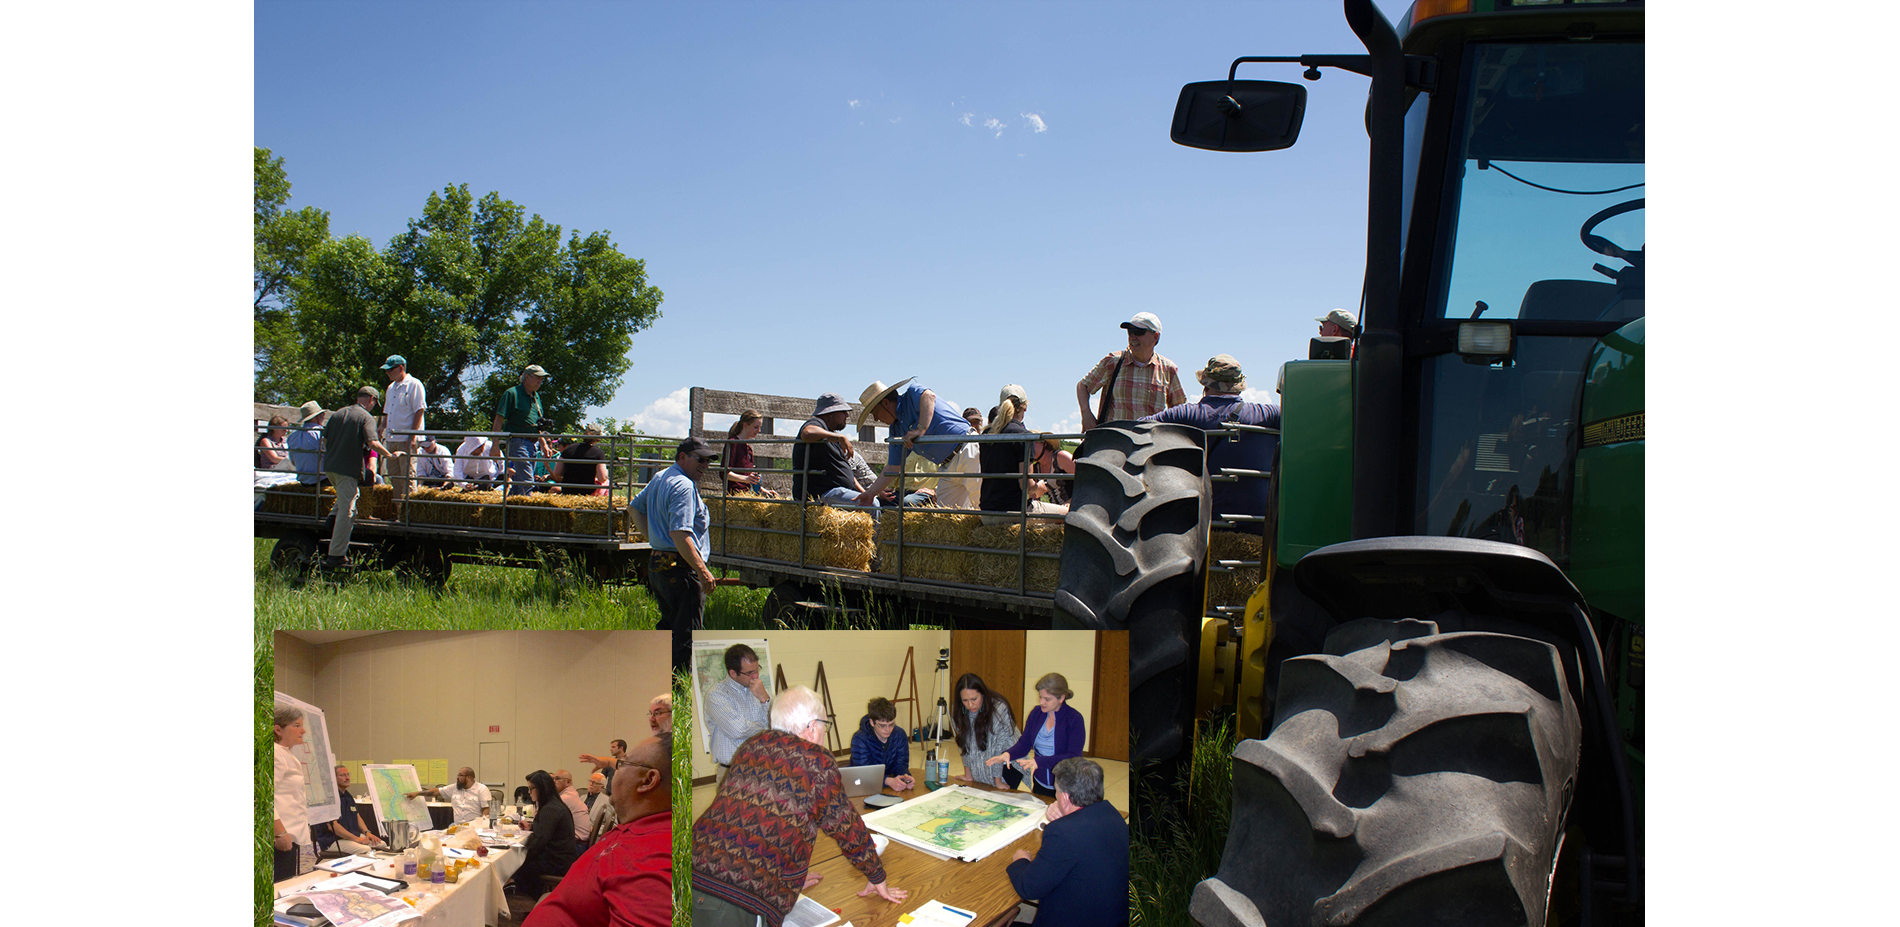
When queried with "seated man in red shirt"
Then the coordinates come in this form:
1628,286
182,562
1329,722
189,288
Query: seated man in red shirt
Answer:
626,877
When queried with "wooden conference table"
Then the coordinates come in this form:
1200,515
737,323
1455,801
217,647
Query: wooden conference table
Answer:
981,887
474,901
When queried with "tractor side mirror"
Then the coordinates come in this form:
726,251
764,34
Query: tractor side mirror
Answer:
1239,115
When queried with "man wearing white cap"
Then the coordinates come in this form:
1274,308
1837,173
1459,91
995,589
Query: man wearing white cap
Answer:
403,407
1337,324
1133,383
911,410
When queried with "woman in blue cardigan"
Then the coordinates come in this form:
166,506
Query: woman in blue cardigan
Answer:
1052,733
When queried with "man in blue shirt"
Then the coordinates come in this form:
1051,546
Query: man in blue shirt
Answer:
1219,406
913,411
305,443
675,521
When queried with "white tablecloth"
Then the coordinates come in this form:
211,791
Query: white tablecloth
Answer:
474,901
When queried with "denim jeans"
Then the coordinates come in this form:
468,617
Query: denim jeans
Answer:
521,464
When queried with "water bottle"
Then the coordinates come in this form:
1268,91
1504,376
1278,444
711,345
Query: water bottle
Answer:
930,769
409,862
438,873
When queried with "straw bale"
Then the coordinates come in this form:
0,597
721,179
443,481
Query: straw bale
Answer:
439,507
832,537
295,499
1001,569
927,527
1232,588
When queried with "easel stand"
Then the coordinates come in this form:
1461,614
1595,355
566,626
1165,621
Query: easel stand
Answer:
824,692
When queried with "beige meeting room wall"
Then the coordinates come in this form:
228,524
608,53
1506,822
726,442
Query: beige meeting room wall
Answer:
433,694
858,666
1071,653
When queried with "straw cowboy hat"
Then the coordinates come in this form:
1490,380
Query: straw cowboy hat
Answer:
875,394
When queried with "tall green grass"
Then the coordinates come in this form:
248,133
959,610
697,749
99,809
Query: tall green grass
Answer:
682,786
1178,829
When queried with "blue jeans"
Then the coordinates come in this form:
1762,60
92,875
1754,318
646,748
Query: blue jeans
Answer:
521,464
841,495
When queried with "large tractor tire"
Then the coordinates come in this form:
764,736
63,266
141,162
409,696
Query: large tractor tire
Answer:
1134,558
1411,778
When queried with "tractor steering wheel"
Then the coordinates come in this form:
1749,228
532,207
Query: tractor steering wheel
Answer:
1604,246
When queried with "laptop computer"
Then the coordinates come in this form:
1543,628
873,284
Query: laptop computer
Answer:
860,781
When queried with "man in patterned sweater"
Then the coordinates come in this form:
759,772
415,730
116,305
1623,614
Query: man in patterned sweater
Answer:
752,847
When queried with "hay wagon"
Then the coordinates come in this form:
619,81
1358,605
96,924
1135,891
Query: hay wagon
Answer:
818,561
438,527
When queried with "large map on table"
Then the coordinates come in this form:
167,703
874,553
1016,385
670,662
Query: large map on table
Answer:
965,823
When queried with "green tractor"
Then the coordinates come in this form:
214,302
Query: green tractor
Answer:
1440,682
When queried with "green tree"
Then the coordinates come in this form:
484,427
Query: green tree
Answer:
282,243
470,294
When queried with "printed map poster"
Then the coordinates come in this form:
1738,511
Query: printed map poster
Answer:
388,784
709,669
319,762
964,823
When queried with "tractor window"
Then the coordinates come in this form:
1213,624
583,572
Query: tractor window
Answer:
1553,135
1498,441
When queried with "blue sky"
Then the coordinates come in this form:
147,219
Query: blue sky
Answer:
833,193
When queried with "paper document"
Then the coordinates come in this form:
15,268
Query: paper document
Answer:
357,907
809,913
346,864
934,913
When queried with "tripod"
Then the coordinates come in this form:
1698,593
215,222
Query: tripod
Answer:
936,689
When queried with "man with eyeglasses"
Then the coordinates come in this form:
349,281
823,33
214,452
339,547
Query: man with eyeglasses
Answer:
736,709
575,806
626,877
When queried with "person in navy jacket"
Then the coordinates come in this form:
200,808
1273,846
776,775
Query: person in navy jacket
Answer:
1080,877
879,742
1052,733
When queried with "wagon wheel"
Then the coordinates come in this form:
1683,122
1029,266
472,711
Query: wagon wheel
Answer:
427,562
294,553
778,608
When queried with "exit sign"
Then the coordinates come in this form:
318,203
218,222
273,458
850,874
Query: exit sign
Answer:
494,729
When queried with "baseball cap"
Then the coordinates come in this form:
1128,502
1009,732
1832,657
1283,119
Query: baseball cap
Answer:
1145,321
537,371
395,360
1341,318
696,446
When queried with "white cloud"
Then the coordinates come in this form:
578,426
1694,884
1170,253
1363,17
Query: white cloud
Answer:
997,124
1035,122
854,104
965,118
668,415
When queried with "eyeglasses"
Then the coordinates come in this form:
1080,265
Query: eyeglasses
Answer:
659,711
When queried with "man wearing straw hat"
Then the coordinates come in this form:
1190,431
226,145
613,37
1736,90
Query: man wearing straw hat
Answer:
345,436
306,442
911,410
1133,383
1219,407
675,521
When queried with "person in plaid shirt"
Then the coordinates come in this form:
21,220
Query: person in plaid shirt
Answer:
1145,383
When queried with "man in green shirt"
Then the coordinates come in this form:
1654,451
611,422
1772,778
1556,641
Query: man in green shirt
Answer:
519,414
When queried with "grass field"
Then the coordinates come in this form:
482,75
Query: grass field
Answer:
1177,831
